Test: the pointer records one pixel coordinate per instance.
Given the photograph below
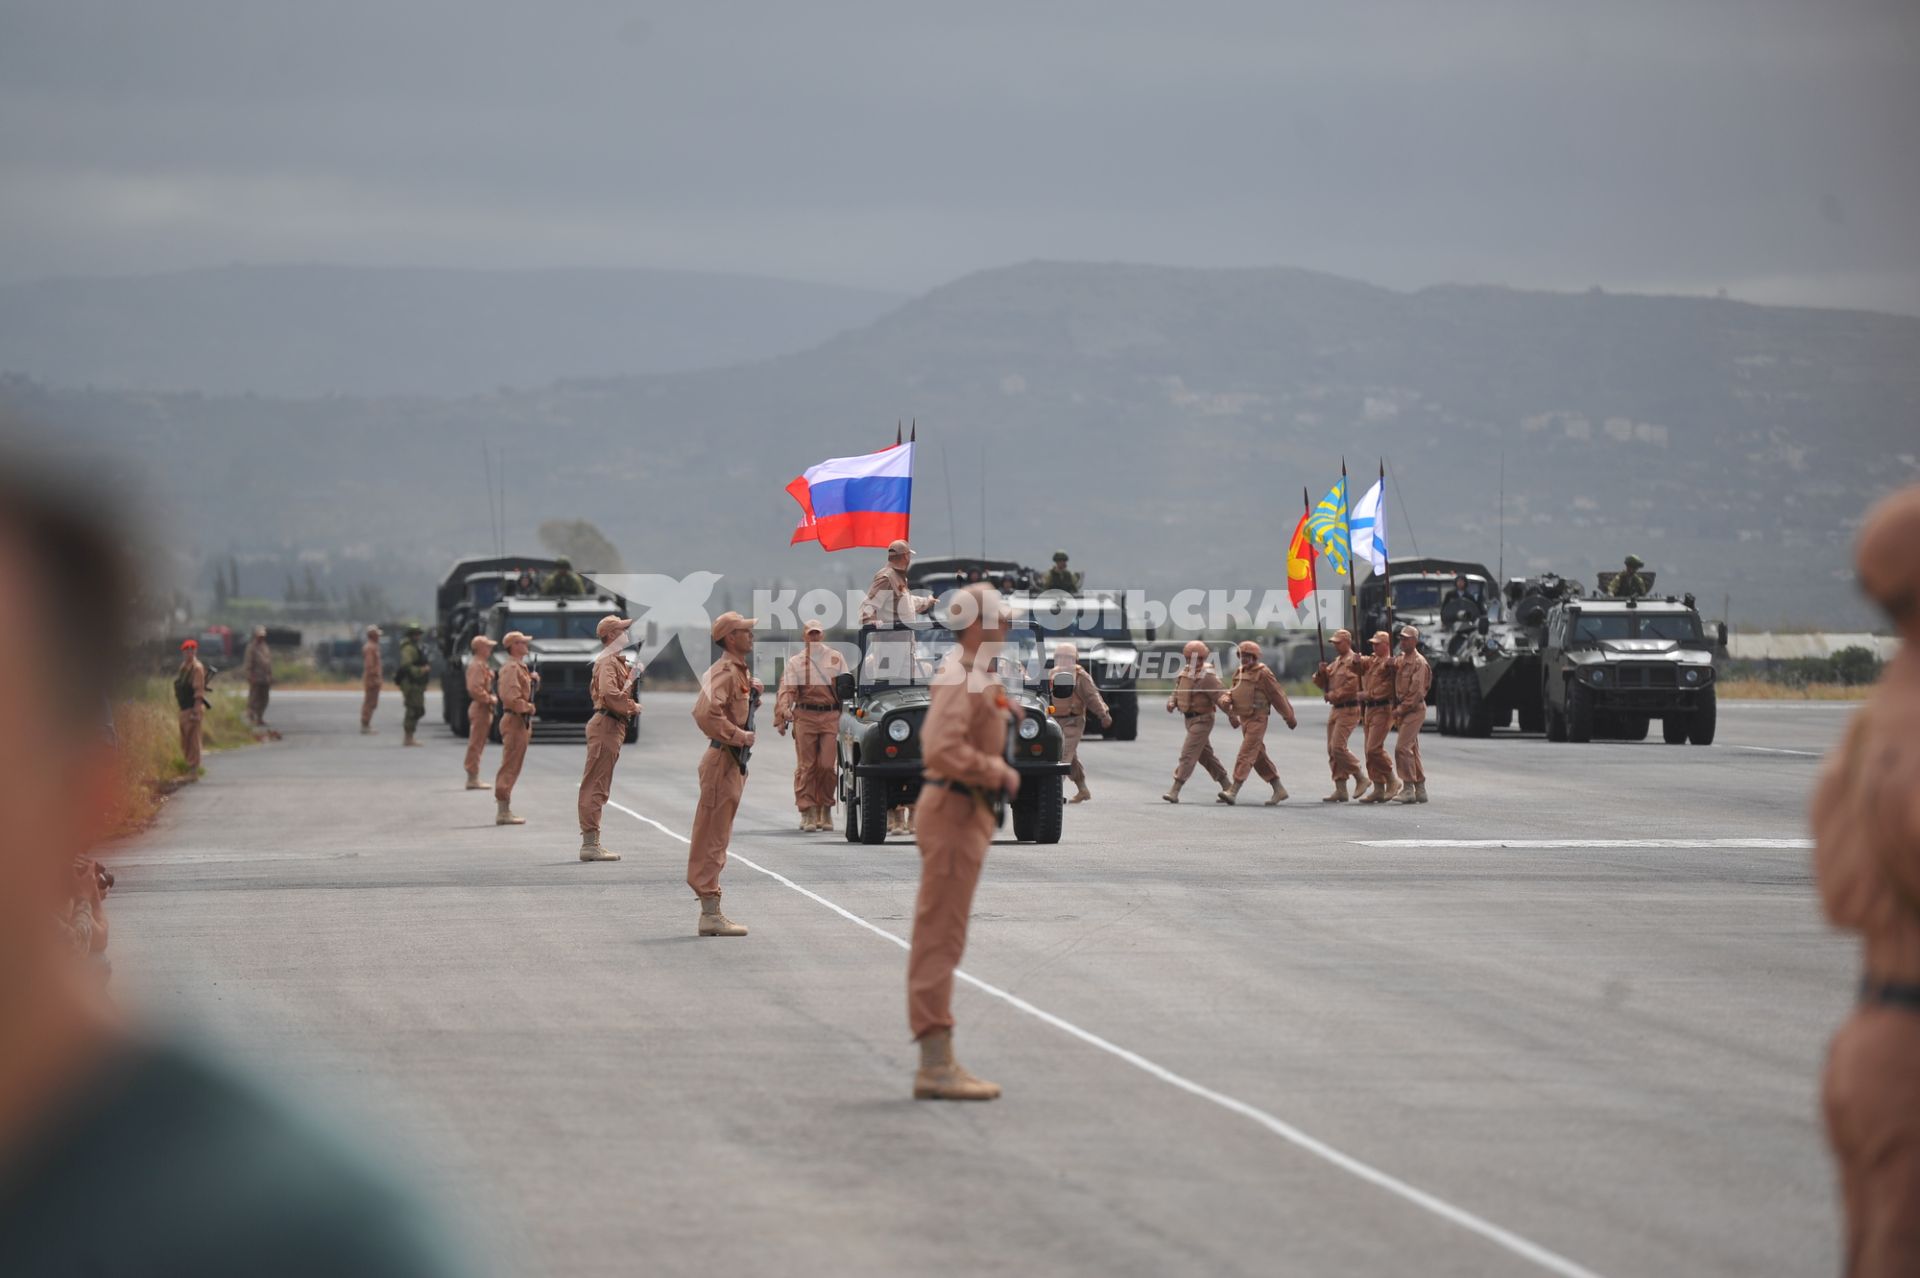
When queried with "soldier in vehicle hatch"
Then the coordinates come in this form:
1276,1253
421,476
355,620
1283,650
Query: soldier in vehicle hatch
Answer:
1629,584
1060,577
563,580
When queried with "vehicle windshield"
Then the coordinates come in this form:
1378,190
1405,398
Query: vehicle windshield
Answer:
1682,627
1596,627
1067,617
549,625
909,658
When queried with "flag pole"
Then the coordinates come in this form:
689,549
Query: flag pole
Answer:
1386,556
896,431
1353,569
1313,578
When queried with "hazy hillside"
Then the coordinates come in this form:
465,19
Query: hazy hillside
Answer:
1159,423
331,330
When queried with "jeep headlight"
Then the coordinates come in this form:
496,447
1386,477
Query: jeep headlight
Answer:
1691,676
899,729
1598,676
1029,728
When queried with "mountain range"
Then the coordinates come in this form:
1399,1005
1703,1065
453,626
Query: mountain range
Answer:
1159,423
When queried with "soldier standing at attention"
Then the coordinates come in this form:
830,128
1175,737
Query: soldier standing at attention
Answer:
1074,696
480,704
614,710
563,581
1199,695
1339,679
1412,676
807,702
369,679
888,603
258,665
190,691
728,693
1060,577
1629,584
411,678
964,745
1866,826
515,691
1376,705
1251,701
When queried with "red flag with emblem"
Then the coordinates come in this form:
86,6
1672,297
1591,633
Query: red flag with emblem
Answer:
1299,563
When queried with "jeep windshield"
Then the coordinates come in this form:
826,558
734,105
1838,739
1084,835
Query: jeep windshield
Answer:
1070,618
550,625
1681,627
908,658
1599,627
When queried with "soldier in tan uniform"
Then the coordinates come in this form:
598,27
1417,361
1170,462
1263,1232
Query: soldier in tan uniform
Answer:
808,703
1866,825
1376,706
1199,695
887,603
1412,676
480,704
728,693
258,667
370,676
614,708
1256,693
514,686
1339,679
963,744
190,690
1071,711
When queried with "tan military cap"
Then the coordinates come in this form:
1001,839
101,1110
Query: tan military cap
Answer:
1888,553
728,622
1378,635
373,632
610,626
1409,632
259,632
1193,649
1343,633
1066,654
481,643
897,547
515,636
976,601
813,629
1247,648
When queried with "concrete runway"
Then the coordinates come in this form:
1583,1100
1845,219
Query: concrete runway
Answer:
1457,1039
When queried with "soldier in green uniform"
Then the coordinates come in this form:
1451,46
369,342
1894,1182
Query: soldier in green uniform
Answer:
411,678
563,580
1630,584
1060,577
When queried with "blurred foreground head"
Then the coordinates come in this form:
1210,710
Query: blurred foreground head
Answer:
1888,558
64,572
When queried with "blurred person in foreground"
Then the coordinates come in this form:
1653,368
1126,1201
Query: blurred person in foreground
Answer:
1866,825
122,1155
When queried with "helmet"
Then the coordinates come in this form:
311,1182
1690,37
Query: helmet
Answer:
1059,556
413,628
1634,561
562,561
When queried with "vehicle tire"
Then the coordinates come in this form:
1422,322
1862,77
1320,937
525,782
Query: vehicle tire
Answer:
633,730
1125,707
1026,819
1673,729
1443,702
1633,727
1040,818
1476,721
1533,719
1579,712
871,800
1705,718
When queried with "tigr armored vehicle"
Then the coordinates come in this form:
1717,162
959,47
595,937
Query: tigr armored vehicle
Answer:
483,596
1486,668
1609,667
884,708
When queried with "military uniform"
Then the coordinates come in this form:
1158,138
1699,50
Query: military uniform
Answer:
514,686
1339,679
1061,577
1071,711
1628,583
614,709
411,678
1412,677
369,679
1197,694
258,666
808,704
888,602
728,691
480,704
963,744
1866,828
1376,707
563,581
190,690
1256,693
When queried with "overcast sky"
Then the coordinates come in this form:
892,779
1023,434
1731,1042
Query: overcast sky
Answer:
1762,147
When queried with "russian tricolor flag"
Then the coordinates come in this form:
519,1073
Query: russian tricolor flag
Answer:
856,501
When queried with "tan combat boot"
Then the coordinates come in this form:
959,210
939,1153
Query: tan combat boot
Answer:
1394,792
408,739
590,849
1420,791
366,730
713,922
475,783
940,1077
1279,794
1173,794
806,820
1081,793
1377,794
1339,794
1360,787
503,814
826,817
1228,795
1409,793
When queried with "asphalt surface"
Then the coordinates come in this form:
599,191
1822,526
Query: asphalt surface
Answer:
1488,1035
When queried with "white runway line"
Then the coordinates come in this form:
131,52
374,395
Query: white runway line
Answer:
1810,754
1583,843
1550,1261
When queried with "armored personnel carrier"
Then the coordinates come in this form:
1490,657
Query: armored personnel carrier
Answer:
1431,594
1486,666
